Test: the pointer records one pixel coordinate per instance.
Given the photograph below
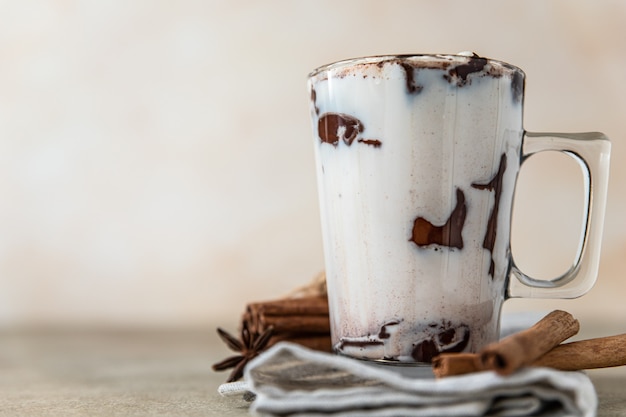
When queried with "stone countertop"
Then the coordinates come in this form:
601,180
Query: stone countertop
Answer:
109,372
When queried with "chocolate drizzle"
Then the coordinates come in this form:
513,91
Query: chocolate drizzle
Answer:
358,343
475,64
425,351
409,72
494,185
456,70
462,71
448,340
333,127
449,234
314,101
372,142
517,86
383,333
453,340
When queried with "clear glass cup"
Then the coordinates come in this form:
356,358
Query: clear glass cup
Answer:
417,159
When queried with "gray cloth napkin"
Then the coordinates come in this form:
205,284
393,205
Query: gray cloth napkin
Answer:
290,380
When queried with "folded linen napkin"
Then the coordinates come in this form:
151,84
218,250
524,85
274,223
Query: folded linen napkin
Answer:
290,380
547,392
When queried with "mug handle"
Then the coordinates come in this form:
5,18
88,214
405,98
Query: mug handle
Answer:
591,150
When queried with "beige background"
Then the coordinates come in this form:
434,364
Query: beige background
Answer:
156,159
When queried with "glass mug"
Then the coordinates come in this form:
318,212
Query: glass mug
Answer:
417,159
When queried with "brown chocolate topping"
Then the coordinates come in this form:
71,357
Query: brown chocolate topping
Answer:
409,72
448,340
461,72
383,329
314,100
449,234
359,343
454,340
517,86
425,351
494,185
332,127
476,64
457,69
372,142
446,336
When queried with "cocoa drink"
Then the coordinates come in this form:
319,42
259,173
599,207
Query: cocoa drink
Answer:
417,159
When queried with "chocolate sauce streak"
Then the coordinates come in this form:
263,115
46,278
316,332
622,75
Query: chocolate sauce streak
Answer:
372,142
461,72
333,127
448,340
446,337
409,73
449,234
494,185
383,333
517,86
314,101
425,351
453,340
359,343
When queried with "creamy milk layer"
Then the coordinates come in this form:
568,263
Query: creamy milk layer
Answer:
416,164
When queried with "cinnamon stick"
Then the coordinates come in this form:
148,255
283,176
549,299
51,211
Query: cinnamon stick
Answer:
303,320
525,347
604,352
315,342
303,315
305,305
289,324
451,364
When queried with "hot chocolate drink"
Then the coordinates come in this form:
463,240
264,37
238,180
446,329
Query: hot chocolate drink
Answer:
417,158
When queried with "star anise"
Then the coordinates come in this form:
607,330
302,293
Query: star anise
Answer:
250,345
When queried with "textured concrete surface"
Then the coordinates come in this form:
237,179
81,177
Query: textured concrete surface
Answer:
145,373
110,373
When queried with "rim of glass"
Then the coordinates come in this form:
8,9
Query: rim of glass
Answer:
375,59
